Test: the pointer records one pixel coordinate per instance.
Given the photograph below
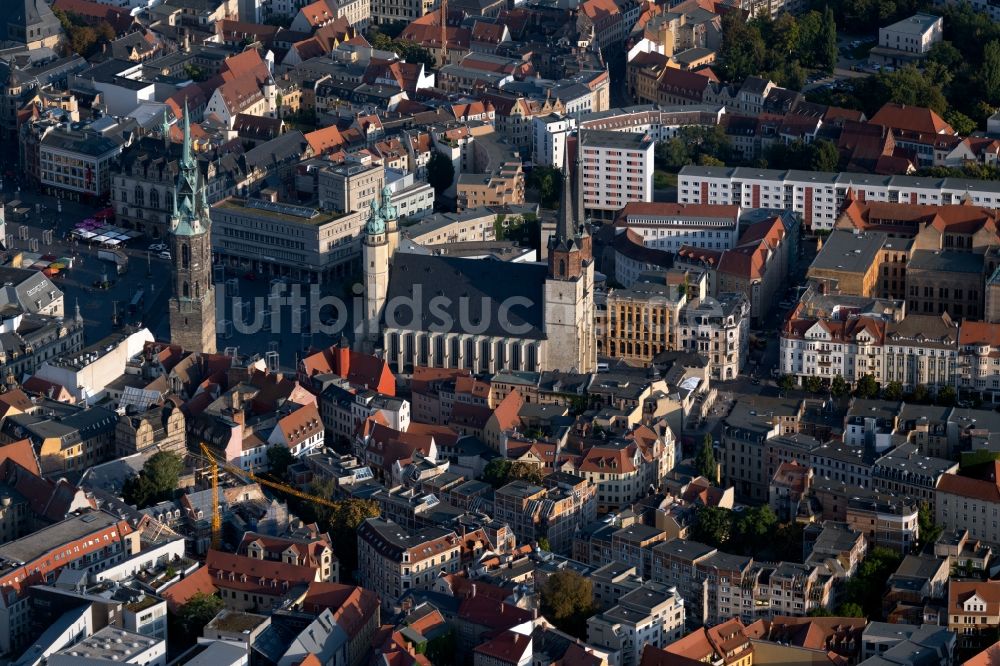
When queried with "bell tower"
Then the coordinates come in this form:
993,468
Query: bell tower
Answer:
375,253
192,300
569,288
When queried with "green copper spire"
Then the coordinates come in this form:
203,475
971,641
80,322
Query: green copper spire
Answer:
187,160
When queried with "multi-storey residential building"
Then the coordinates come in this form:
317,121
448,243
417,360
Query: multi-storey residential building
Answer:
669,226
90,541
887,522
77,164
392,560
617,170
907,41
871,423
255,584
903,471
921,350
555,511
644,319
971,504
652,614
819,196
162,426
979,358
350,187
676,563
974,612
312,550
623,470
264,237
504,187
745,432
719,330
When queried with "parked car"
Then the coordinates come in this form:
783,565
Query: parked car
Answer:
165,255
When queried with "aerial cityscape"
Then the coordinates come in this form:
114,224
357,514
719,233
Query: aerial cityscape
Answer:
499,332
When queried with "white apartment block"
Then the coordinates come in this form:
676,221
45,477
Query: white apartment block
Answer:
663,123
818,196
919,349
668,226
652,614
916,34
617,169
399,11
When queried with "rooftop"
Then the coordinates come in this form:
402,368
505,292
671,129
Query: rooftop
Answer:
279,212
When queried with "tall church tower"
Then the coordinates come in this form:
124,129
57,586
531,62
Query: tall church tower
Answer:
192,301
569,287
375,253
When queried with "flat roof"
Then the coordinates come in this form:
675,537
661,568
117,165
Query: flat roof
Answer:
849,252
279,212
49,538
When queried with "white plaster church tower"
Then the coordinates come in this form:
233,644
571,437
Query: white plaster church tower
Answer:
569,288
378,247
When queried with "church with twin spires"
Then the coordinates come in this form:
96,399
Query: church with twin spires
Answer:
485,315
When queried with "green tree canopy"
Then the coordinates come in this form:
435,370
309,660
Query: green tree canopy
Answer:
929,530
839,387
867,387
548,181
440,172
157,481
893,391
568,600
712,525
279,459
704,461
198,611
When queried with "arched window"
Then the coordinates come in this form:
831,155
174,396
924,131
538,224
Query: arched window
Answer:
185,255
562,267
185,292
139,198
154,199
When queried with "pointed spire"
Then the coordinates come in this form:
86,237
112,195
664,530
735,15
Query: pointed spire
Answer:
187,161
77,317
564,227
165,129
580,209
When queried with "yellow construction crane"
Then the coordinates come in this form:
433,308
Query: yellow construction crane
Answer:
236,471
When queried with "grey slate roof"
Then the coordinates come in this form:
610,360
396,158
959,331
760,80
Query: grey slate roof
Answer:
481,285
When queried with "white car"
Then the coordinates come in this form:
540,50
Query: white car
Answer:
165,255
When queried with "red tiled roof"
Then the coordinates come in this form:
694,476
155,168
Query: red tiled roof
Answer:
22,453
911,118
964,486
976,333
178,594
509,647
352,606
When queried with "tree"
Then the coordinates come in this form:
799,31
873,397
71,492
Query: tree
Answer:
743,50
341,521
838,387
849,609
827,56
198,611
820,611
568,600
753,527
527,472
786,382
279,459
813,384
960,122
990,72
929,530
548,181
497,472
440,172
867,387
866,587
712,525
543,543
825,156
156,482
705,462
920,393
946,396
892,391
